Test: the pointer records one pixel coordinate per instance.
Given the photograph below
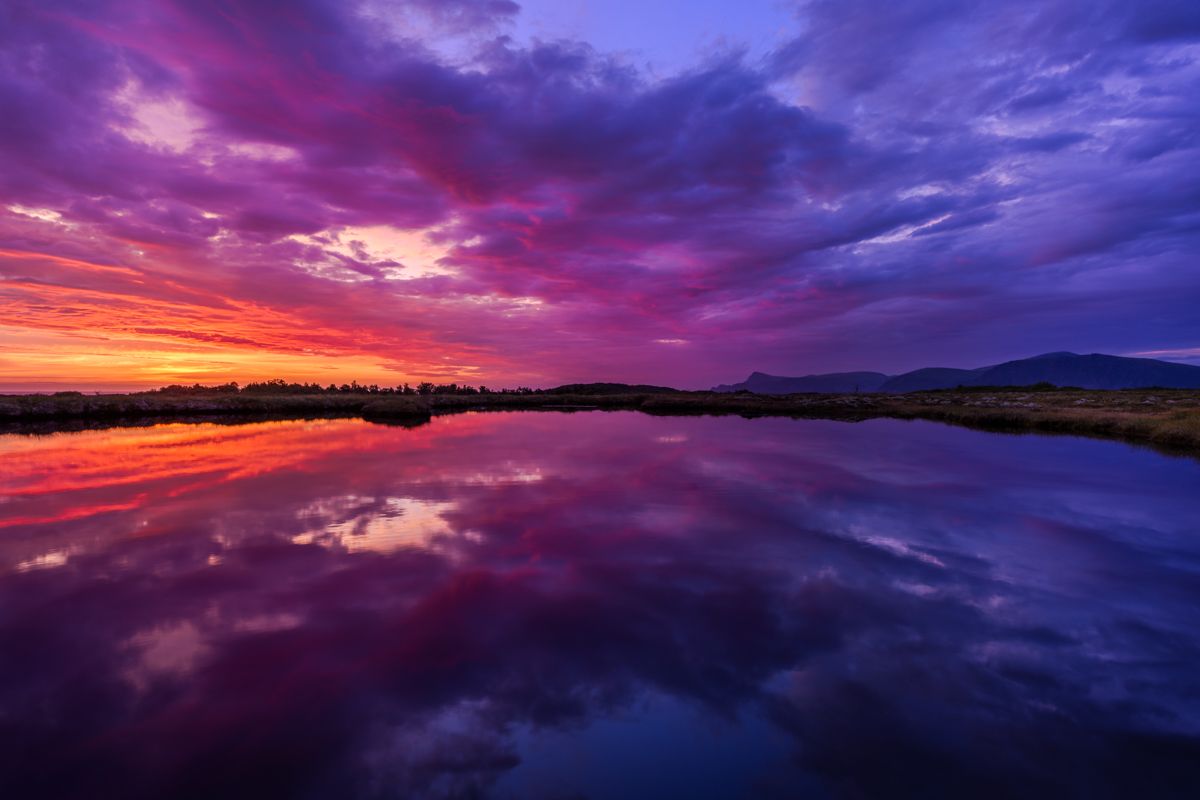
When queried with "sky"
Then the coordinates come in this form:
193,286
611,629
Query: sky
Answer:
550,191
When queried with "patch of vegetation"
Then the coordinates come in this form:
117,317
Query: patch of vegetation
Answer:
278,386
407,408
1167,419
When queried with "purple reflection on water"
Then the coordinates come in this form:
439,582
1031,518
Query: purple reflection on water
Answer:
595,605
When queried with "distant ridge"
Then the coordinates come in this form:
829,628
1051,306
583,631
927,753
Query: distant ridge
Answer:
1094,371
835,382
609,388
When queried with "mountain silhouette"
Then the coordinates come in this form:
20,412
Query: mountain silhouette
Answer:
1094,371
838,382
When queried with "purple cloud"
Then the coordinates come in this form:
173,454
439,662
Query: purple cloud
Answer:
893,185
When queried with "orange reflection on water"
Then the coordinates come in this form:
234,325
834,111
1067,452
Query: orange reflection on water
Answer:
122,468
127,482
73,475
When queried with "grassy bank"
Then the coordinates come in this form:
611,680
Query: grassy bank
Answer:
1168,419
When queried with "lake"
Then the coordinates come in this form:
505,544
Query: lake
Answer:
600,605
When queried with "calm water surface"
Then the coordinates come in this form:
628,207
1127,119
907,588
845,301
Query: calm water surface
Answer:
596,605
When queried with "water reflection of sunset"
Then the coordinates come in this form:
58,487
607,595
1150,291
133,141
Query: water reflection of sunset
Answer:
137,478
124,468
460,609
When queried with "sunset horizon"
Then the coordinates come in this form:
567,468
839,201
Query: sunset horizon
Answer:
332,380
481,191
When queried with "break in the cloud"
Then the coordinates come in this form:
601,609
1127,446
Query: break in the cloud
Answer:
408,190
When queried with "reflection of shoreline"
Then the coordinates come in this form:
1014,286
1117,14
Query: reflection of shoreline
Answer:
1166,420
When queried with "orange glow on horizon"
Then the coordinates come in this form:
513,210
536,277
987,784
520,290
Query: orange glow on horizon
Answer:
68,323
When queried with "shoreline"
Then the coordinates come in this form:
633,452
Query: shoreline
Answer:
1166,419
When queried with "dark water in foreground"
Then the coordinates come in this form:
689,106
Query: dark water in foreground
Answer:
596,605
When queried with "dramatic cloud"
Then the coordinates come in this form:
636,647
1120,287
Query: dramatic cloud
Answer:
407,190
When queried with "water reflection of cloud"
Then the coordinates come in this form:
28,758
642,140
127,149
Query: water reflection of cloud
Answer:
52,558
397,522
399,613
